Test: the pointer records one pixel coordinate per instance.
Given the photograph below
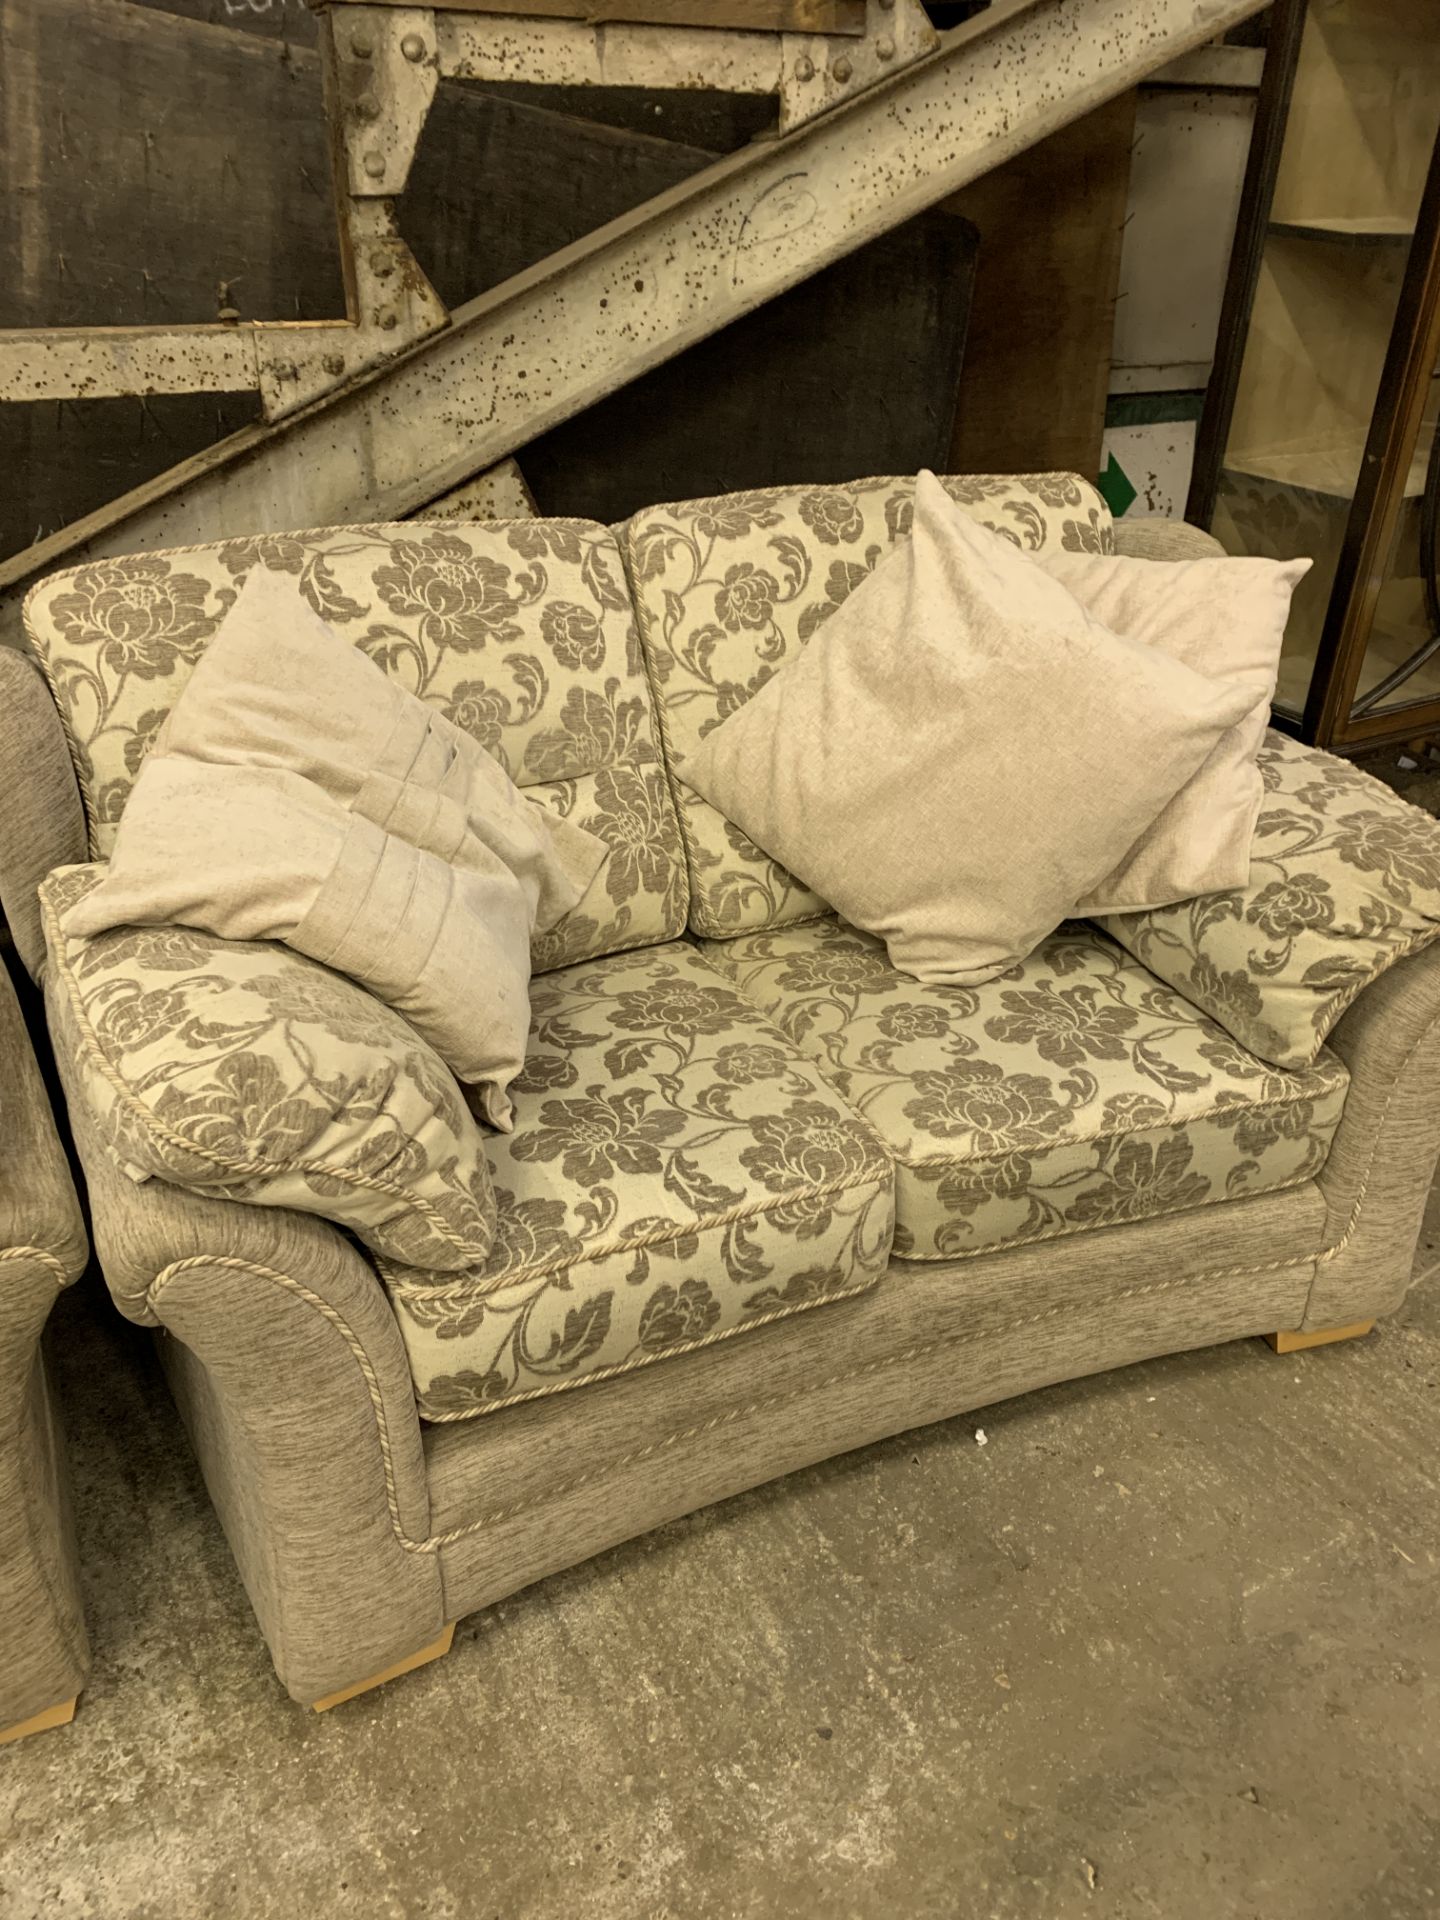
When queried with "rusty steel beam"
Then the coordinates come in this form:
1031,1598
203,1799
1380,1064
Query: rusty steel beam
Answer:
553,340
756,16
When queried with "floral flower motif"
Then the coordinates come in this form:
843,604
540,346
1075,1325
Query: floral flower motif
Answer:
143,616
676,1004
459,598
630,818
824,969
1066,1027
808,1145
139,743
915,1020
979,1100
832,515
674,1315
735,515
1285,907
600,1134
1146,1178
747,599
574,634
745,1061
479,710
1400,847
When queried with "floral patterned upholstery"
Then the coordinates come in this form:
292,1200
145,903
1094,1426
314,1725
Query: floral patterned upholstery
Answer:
240,1069
1072,1092
520,632
726,589
678,1173
1344,881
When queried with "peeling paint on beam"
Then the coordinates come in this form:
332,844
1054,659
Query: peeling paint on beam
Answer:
552,341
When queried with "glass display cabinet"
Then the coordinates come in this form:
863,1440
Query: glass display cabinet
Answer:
1318,434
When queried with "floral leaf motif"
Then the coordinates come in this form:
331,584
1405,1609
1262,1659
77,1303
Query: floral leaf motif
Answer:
674,1315
598,572
584,1333
688,1181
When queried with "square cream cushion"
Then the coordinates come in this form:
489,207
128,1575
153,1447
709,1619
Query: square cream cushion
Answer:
1225,618
276,687
260,853
962,752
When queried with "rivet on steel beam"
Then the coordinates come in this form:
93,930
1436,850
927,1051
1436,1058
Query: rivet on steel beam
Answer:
804,69
334,363
382,264
885,47
361,46
388,319
886,5
841,71
413,47
367,107
374,164
284,370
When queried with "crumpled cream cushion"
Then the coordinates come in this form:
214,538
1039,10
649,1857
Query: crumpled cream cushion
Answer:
1225,618
243,1070
276,687
259,853
961,752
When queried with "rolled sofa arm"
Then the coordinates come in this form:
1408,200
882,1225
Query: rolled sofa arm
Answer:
42,1250
1165,540
42,823
291,1376
1380,1168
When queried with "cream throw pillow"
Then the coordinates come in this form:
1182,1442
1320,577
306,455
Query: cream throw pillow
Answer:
1224,618
275,687
259,853
962,752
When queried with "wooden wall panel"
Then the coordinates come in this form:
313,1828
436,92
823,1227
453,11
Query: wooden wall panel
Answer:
1042,318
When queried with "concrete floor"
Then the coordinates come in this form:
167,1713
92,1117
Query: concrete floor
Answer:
1166,1645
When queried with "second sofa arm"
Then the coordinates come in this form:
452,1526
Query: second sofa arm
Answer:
42,823
1156,539
291,1374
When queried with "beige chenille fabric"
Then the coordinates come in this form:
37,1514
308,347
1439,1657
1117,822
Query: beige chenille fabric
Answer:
1225,618
257,853
276,687
962,752
244,1071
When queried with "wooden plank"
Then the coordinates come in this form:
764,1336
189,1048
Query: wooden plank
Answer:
1042,317
761,16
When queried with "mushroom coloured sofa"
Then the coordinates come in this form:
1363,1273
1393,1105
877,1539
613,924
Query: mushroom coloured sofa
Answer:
42,1250
766,1198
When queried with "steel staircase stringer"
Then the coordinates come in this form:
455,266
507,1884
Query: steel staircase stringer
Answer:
579,325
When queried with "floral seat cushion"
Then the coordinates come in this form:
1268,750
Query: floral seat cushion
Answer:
727,590
677,1173
1073,1091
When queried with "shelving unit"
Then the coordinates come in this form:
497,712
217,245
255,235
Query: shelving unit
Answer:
1320,420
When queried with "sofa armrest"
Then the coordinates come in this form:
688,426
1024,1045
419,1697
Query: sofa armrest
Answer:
1165,540
42,1249
42,822
1378,1174
291,1375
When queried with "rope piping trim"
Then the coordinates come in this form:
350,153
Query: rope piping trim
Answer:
434,1542
46,1259
230,1170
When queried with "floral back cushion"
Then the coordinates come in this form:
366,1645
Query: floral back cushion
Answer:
520,631
727,589
1344,881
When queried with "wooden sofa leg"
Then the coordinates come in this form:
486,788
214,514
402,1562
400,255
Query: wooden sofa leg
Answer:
59,1715
1294,1342
435,1650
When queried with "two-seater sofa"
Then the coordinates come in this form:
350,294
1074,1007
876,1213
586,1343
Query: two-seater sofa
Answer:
766,1199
